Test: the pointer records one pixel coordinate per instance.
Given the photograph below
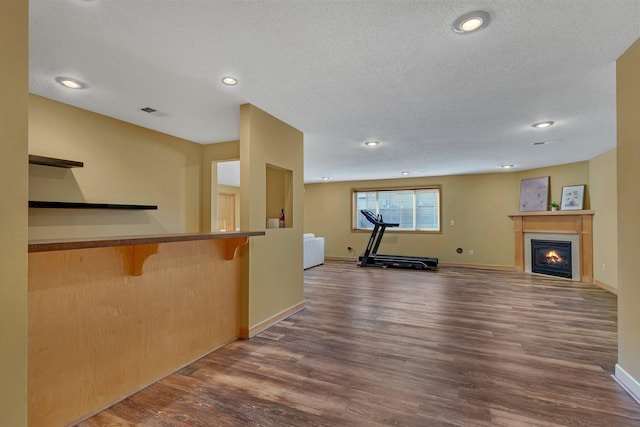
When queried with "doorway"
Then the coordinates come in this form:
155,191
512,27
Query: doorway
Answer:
225,197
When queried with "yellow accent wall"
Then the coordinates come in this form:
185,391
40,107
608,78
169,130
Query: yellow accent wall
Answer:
604,200
123,164
273,271
478,205
14,72
628,157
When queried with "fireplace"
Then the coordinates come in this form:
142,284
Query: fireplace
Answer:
555,254
573,226
551,257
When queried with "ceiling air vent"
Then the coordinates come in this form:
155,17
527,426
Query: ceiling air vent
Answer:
148,110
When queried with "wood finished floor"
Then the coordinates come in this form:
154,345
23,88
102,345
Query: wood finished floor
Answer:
375,347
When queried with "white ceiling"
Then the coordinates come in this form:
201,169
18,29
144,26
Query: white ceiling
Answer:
343,72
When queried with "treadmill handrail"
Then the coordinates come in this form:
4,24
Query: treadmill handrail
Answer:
370,256
377,219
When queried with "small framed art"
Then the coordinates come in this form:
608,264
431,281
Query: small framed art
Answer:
572,197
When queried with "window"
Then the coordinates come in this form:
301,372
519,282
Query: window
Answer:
415,209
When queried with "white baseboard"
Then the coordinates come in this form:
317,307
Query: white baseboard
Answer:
478,266
627,382
354,259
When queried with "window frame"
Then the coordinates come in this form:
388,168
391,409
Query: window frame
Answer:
355,212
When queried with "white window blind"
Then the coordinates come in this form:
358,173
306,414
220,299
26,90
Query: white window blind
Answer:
414,209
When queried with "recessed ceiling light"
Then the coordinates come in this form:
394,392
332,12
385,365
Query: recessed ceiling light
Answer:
70,83
404,173
506,166
371,143
230,81
542,125
471,21
325,178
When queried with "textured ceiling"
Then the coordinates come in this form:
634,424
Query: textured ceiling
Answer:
344,72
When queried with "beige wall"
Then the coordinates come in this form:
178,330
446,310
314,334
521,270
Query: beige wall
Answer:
478,205
628,156
604,200
123,163
13,211
275,275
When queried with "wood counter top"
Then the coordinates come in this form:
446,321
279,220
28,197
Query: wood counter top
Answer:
47,245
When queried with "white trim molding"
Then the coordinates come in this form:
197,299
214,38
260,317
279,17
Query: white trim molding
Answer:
627,382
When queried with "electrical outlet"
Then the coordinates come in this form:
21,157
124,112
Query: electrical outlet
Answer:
471,252
604,268
453,222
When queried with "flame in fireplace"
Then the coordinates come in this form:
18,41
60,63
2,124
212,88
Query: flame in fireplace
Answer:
552,257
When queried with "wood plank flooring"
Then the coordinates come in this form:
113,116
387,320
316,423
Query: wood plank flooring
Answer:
382,347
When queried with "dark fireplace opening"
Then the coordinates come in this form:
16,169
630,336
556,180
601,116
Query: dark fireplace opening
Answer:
551,257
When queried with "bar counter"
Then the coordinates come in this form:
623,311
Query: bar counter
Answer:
108,316
104,242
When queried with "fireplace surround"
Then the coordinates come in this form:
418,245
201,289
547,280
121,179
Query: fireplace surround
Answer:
575,226
569,241
551,257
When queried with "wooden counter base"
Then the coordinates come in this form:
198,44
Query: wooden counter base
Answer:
98,334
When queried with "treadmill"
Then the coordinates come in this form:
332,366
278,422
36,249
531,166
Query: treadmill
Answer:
371,258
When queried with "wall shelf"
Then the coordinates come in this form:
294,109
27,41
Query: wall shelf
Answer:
56,163
66,164
37,204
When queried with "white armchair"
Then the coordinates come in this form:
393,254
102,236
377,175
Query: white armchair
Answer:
313,250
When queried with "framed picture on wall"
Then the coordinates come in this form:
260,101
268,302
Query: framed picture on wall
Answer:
572,197
534,194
